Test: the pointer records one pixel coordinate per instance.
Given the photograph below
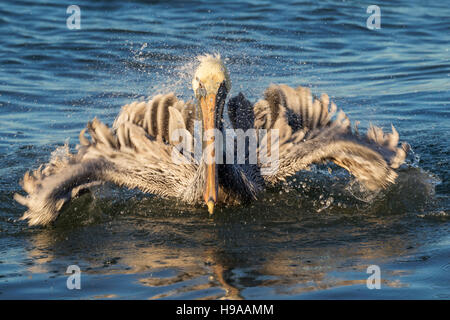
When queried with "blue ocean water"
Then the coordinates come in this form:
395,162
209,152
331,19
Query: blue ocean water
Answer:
313,239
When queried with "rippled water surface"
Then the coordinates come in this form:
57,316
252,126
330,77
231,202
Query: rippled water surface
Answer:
312,238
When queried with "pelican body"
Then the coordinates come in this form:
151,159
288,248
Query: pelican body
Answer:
137,152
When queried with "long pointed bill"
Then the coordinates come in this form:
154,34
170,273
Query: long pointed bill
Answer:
208,105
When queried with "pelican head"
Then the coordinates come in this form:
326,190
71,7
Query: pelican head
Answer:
211,85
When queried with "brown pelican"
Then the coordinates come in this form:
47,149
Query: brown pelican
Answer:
137,152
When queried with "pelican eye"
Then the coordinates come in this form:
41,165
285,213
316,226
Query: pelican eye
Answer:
201,91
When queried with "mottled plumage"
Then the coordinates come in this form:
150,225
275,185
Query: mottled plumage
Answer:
137,152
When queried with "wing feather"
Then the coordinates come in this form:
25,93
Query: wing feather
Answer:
135,153
309,135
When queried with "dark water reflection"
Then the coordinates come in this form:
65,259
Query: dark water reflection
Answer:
281,247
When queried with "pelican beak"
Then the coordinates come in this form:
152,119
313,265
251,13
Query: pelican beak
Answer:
210,205
208,105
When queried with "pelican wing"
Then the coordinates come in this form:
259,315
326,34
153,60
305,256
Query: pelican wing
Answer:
307,135
137,153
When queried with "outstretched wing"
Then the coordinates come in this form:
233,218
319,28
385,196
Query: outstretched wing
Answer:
307,135
136,153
